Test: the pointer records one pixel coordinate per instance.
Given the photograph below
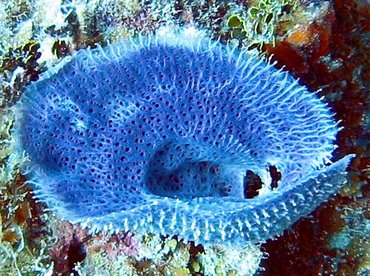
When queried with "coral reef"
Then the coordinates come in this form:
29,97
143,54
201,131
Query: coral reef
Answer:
19,67
75,25
170,257
331,53
22,228
322,243
231,260
325,43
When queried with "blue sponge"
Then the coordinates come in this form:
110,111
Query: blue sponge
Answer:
156,135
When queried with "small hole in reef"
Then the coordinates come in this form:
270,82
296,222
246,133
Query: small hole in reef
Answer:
252,183
76,253
275,176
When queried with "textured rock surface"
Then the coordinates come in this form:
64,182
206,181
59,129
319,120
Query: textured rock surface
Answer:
156,135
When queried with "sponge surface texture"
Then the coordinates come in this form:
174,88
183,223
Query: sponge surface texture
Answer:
156,135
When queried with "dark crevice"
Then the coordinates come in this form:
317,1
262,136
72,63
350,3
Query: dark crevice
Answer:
275,176
252,183
76,253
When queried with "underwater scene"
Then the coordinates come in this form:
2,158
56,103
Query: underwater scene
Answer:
185,137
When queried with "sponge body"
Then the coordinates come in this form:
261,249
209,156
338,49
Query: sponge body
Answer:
156,134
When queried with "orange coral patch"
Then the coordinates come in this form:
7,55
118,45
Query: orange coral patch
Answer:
10,236
300,37
22,214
